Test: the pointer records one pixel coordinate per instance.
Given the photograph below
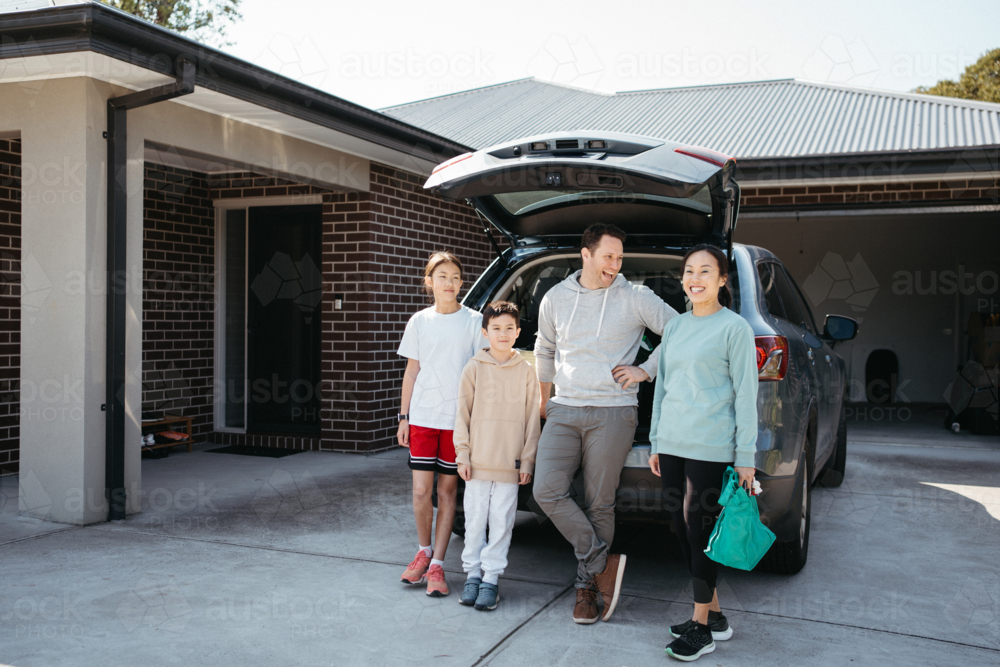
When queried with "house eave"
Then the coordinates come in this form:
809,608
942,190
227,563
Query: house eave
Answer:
101,29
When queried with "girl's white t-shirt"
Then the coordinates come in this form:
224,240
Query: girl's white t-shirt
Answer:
443,344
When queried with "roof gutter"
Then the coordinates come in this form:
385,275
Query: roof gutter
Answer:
117,272
102,29
871,166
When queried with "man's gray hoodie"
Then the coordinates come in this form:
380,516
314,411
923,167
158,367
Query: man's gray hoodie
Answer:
583,334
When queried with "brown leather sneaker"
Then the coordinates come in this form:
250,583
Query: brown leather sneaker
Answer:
585,611
609,583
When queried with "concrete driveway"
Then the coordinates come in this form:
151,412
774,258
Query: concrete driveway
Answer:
239,560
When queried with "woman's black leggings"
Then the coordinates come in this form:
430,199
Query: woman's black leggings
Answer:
691,489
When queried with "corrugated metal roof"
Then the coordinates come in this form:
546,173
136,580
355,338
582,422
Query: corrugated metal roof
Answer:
783,118
23,5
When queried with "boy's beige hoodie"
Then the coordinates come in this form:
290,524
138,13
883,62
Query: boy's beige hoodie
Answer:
497,424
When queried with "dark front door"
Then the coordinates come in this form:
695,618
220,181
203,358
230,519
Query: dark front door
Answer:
283,318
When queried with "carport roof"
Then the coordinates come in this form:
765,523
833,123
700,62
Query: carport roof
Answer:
786,118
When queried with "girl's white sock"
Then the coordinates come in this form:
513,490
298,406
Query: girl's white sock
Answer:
427,551
435,561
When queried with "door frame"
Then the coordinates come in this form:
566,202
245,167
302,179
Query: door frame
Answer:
219,372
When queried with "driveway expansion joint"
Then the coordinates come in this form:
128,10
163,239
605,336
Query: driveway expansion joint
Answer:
816,620
499,646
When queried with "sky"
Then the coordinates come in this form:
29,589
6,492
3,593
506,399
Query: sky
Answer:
379,54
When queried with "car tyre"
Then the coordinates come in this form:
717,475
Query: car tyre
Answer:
790,557
834,474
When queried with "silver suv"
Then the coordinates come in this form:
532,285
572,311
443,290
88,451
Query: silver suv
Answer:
540,193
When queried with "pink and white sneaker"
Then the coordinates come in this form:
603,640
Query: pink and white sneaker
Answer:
416,572
437,587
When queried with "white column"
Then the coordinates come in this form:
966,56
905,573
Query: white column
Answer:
63,217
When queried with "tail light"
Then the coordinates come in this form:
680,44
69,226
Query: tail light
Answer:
772,357
706,154
454,160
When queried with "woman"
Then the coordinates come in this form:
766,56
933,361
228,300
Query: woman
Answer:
437,343
704,419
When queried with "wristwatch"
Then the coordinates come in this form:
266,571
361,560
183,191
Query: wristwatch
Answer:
402,417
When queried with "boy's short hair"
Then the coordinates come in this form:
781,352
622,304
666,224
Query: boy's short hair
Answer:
498,308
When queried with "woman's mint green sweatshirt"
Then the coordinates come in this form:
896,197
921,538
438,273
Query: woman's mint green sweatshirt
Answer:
705,400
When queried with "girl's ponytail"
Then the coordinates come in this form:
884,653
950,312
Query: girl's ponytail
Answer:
725,296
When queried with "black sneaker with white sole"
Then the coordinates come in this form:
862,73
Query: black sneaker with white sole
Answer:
717,622
694,643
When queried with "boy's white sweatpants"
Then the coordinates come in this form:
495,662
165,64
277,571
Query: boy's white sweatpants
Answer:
495,502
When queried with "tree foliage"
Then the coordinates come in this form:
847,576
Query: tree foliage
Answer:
205,21
980,81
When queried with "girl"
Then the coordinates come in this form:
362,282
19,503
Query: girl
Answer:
704,419
438,342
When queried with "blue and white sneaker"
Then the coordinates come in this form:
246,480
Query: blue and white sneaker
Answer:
489,596
470,592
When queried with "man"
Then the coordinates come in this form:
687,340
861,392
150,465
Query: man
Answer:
589,329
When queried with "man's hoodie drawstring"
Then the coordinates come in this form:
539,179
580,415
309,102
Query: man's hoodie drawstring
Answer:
600,321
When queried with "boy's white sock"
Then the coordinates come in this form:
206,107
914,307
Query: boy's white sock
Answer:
427,551
475,574
435,561
491,578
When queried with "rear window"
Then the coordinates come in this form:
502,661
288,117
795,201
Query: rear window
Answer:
521,203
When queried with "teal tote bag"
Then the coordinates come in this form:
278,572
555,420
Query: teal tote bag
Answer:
739,539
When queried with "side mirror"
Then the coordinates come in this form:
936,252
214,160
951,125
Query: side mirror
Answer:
838,327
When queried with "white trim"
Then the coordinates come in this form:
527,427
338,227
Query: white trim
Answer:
219,344
985,208
251,202
220,325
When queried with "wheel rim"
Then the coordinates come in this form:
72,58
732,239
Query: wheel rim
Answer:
805,510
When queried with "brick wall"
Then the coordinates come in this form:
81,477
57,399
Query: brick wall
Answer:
178,295
10,302
872,193
375,247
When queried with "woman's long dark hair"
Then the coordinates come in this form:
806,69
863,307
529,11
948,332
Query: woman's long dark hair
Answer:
725,296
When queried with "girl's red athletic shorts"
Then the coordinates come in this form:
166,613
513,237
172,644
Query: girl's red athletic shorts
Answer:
432,449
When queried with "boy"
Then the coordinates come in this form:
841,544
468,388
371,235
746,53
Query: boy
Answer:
496,435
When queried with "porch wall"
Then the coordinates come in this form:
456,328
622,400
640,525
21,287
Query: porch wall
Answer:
10,303
179,291
375,246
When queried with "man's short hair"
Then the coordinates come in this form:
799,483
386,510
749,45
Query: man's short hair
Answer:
498,308
592,235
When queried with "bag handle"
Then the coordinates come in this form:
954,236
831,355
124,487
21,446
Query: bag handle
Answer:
730,486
